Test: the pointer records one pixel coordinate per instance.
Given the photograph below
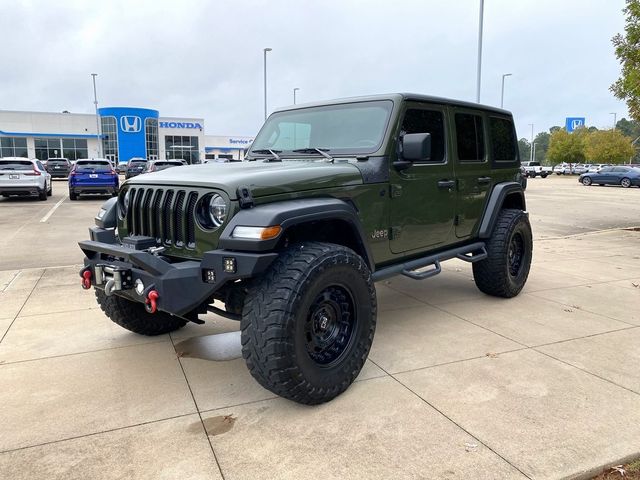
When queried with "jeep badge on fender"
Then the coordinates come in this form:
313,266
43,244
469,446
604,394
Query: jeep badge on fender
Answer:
292,240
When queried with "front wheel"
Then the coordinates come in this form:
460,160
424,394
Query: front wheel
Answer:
625,182
133,316
510,249
308,323
586,181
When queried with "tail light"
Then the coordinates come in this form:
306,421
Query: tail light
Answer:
35,173
112,172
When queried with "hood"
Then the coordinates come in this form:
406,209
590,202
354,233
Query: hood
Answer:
264,178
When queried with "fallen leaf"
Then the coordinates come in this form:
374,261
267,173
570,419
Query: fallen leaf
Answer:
619,469
469,447
568,310
637,285
492,355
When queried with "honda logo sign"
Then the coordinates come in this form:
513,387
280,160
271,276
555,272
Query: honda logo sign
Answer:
130,124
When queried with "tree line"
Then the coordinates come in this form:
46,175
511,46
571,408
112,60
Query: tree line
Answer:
585,145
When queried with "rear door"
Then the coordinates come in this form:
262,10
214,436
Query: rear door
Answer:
423,195
472,168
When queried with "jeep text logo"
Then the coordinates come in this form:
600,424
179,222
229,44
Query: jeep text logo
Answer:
130,124
180,125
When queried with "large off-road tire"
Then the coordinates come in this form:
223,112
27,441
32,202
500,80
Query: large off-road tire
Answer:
134,317
308,322
510,249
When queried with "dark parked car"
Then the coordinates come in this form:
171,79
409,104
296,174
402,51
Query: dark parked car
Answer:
134,167
157,165
58,167
92,176
622,175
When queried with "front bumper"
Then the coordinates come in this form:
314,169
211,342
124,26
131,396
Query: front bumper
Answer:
182,286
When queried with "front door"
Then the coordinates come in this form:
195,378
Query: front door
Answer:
423,196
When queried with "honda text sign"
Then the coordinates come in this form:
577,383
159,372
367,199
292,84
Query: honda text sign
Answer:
130,124
573,123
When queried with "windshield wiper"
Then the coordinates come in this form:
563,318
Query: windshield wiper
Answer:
273,153
321,151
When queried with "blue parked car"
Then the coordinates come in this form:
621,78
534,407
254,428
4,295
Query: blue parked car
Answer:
93,176
621,175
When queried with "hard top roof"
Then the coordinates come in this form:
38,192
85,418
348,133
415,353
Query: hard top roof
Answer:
399,97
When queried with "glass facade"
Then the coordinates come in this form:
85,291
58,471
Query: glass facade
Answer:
109,137
151,138
71,148
13,147
185,148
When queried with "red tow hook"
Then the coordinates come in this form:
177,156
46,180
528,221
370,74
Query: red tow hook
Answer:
150,303
86,279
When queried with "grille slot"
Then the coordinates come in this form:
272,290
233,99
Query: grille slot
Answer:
167,215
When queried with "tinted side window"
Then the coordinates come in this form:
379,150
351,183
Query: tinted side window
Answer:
469,137
503,140
427,121
619,169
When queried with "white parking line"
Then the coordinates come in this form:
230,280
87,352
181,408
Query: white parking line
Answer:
53,209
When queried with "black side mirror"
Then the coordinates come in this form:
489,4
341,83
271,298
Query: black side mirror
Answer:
416,147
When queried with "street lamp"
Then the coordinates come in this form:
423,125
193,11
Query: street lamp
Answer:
265,50
479,51
614,119
502,91
531,152
95,102
294,94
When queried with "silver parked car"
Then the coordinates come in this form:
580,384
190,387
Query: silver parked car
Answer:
24,176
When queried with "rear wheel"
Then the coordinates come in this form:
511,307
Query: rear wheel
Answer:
586,181
543,175
625,182
510,249
134,317
72,195
42,194
308,323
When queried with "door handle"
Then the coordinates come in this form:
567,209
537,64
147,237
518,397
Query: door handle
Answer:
448,184
484,180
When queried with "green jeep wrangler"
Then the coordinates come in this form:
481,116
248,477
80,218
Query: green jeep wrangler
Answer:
332,197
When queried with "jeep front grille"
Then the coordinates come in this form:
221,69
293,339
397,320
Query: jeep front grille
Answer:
166,214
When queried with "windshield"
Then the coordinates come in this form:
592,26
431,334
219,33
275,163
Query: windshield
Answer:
16,165
349,128
91,166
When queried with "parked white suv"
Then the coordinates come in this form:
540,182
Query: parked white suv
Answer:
24,176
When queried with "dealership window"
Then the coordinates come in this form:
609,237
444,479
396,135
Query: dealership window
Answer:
13,147
151,135
185,148
71,148
109,137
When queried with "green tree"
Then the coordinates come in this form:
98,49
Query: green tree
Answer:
627,49
542,145
630,128
567,147
608,146
525,149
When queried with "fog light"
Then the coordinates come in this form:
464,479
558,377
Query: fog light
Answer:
229,265
210,276
139,286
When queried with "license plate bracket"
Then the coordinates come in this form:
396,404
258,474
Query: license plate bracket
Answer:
14,176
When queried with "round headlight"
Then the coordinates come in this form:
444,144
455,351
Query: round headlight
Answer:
217,209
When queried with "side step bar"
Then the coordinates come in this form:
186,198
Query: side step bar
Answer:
469,253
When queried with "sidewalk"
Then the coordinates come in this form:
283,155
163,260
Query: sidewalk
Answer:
458,384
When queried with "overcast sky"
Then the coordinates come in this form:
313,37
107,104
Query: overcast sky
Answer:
204,59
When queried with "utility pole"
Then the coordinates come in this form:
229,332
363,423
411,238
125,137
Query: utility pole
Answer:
502,91
479,69
294,94
614,119
95,103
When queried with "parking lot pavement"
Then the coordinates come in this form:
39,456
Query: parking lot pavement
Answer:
458,384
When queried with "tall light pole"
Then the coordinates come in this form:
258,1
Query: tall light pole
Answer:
615,115
531,152
265,50
95,103
479,69
502,91
294,94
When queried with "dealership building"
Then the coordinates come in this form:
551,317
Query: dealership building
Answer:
117,133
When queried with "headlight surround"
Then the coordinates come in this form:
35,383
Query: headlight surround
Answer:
212,211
